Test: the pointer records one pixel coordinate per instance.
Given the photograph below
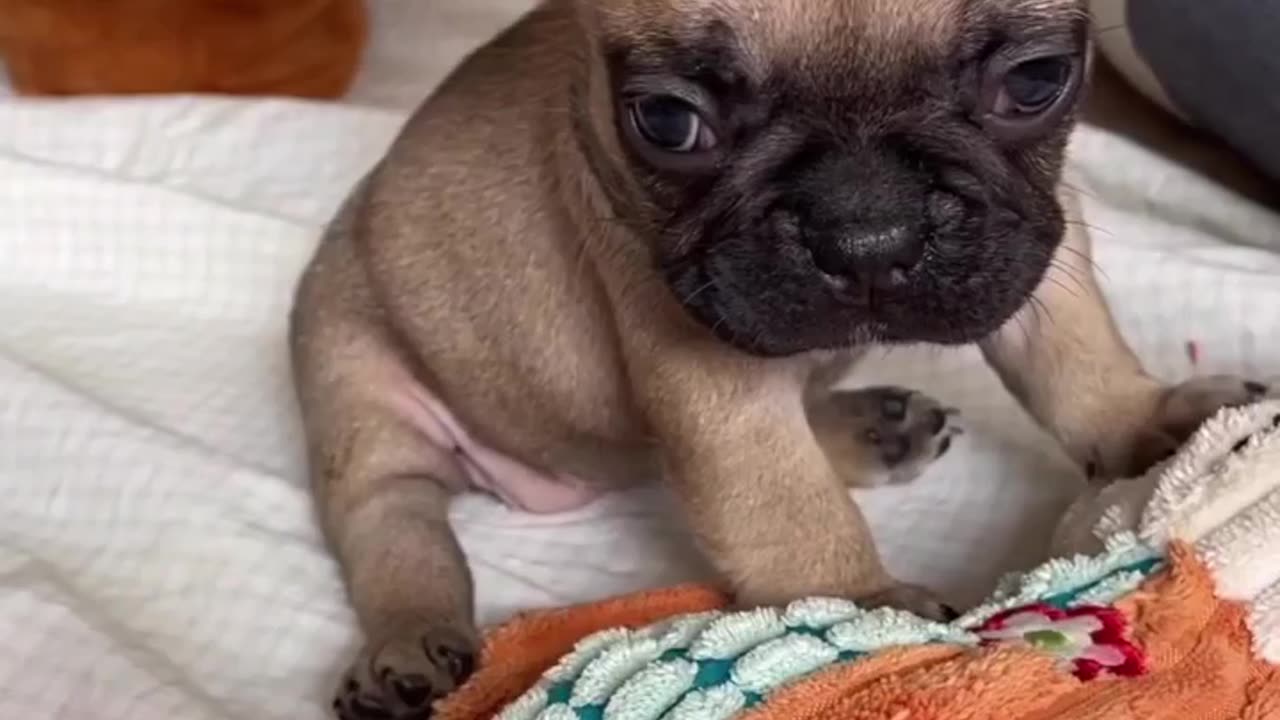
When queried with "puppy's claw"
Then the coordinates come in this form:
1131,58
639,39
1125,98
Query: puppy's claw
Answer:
906,430
913,599
402,675
1179,412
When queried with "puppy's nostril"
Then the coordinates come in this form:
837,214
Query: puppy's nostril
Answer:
882,257
830,260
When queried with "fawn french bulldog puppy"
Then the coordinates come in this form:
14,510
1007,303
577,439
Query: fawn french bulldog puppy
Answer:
637,238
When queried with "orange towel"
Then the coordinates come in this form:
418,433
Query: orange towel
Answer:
308,48
1198,648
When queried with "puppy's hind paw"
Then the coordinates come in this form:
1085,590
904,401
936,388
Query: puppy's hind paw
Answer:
903,431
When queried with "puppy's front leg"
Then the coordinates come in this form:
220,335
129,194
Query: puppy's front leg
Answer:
758,491
383,489
409,584
1066,362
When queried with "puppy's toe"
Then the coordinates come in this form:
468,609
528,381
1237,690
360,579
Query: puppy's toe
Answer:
904,430
1184,407
1181,410
914,599
401,675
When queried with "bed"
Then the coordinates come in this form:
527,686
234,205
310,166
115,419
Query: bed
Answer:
158,557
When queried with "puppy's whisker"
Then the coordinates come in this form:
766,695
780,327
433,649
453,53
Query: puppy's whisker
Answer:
1089,226
690,297
610,219
1039,305
1077,189
1090,264
1074,292
1022,326
1081,254
1066,268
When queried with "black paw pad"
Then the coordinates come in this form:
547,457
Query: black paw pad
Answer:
362,707
458,663
937,421
413,690
1091,470
894,407
893,449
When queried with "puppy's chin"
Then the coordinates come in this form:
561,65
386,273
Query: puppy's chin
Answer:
771,300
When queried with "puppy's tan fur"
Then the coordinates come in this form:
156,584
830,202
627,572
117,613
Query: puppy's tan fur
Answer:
480,260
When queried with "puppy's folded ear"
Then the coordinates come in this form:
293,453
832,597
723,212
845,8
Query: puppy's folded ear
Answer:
587,13
603,18
643,22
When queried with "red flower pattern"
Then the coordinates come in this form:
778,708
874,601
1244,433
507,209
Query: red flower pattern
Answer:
1091,639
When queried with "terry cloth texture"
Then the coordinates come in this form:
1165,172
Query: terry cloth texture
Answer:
1197,650
1176,617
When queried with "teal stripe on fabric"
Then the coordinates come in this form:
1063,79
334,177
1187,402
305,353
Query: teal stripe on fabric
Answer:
712,673
1146,567
719,671
560,693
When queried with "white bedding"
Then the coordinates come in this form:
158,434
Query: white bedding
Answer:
157,553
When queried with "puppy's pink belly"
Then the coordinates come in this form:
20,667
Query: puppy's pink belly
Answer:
511,481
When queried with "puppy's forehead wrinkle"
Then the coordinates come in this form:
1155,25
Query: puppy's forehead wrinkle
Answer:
773,27
865,47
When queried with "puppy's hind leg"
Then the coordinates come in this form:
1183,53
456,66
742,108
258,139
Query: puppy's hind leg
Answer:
383,489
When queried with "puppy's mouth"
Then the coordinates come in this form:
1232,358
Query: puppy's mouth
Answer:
775,298
773,317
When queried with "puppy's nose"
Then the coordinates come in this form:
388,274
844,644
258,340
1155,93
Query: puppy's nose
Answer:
880,257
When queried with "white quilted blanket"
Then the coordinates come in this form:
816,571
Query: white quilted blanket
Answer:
157,553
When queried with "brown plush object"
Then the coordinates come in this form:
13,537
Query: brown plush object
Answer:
307,48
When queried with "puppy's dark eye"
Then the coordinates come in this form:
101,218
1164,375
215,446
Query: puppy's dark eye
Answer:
1030,87
670,124
1021,100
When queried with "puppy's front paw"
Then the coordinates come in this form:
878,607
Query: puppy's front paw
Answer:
1180,411
400,675
913,599
1184,407
902,431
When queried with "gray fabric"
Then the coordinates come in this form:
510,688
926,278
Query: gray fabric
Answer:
1219,61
